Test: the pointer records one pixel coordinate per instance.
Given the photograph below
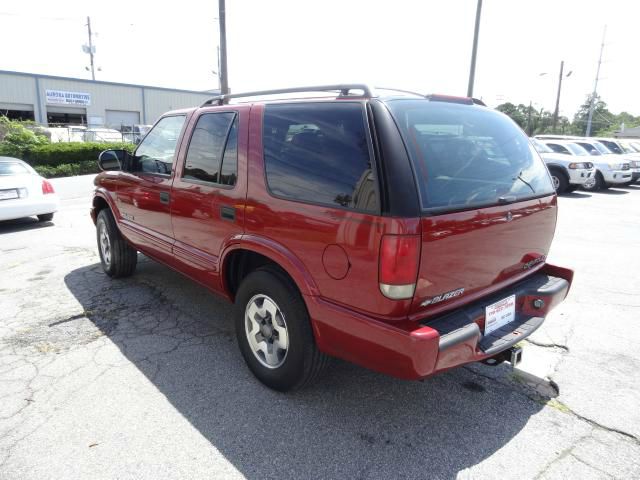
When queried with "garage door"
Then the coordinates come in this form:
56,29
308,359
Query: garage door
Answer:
117,118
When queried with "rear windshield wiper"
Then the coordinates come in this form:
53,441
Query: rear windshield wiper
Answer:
519,177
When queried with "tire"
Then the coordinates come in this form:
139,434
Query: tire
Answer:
560,181
45,217
597,185
284,369
118,258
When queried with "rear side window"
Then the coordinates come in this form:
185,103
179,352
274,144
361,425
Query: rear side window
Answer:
213,150
319,153
468,156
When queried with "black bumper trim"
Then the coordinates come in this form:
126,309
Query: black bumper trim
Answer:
460,325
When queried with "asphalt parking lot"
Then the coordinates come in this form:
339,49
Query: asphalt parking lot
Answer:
141,378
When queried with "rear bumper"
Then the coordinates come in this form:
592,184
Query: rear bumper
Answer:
417,350
19,208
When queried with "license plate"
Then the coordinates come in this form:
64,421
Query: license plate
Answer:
8,194
499,314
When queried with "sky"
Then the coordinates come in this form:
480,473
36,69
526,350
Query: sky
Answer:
422,45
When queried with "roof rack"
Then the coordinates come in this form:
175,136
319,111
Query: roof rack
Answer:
344,90
401,91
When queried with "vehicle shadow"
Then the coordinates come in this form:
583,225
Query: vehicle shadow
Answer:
351,423
575,195
22,224
612,191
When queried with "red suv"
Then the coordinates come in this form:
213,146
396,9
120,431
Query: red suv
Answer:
404,233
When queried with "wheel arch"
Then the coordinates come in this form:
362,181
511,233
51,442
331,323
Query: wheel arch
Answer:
100,201
253,251
561,168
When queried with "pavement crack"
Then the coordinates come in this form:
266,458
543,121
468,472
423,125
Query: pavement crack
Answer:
548,345
565,408
578,459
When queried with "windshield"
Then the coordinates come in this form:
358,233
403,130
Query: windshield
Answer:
540,147
589,148
576,149
626,147
466,156
601,148
613,146
12,168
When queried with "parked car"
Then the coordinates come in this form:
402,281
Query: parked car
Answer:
626,154
24,193
609,170
103,135
567,174
404,233
134,133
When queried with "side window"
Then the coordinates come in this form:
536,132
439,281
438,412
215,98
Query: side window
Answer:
207,158
319,153
156,152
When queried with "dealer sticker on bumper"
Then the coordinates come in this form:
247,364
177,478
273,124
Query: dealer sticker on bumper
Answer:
499,314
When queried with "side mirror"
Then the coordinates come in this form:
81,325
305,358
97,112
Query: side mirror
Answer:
112,159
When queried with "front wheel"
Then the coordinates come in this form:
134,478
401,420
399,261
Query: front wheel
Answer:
118,258
560,182
274,331
597,184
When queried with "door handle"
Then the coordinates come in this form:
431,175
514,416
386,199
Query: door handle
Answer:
228,213
164,197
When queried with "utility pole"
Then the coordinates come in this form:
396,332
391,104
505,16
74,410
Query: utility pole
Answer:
474,51
528,129
557,110
93,73
224,75
592,105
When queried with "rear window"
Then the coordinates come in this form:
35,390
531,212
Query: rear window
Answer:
12,168
319,153
468,156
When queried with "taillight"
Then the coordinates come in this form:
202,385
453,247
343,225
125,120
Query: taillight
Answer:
47,187
399,260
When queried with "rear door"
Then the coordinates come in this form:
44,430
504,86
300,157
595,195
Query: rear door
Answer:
209,190
488,204
144,190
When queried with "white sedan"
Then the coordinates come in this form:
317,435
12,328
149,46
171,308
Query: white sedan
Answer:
24,193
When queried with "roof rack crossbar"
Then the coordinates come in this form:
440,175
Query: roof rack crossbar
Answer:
344,90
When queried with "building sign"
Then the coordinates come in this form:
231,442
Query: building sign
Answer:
61,97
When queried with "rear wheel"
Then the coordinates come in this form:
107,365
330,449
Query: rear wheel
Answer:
274,331
45,217
118,258
560,182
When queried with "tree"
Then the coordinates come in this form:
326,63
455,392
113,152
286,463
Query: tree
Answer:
601,121
532,121
15,137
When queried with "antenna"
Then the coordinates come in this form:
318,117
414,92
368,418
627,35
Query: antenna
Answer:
592,106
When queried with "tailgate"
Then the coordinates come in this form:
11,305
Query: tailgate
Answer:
466,255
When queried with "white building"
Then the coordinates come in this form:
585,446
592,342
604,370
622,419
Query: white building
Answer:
53,100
